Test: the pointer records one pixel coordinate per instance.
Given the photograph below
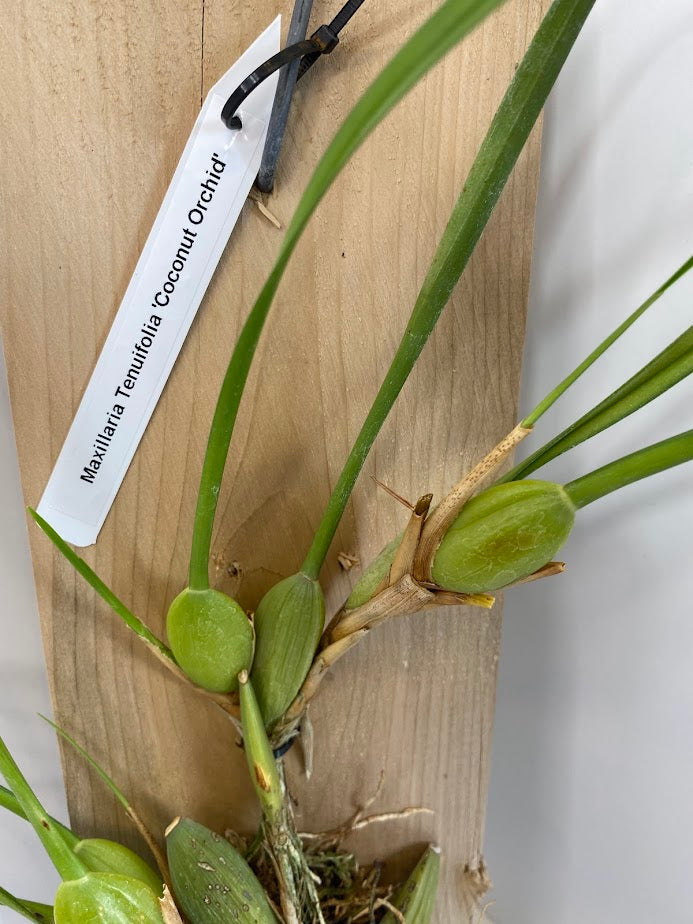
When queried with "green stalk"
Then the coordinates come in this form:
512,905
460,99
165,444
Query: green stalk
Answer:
502,145
668,368
9,801
641,464
444,29
60,852
563,386
33,911
105,592
262,764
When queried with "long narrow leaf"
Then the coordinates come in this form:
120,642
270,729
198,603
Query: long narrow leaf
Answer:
506,137
641,464
563,386
120,796
33,911
9,801
444,29
60,852
668,368
150,840
105,592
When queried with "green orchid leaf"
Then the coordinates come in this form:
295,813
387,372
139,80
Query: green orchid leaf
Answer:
32,911
9,801
444,29
96,854
631,468
668,368
105,592
118,793
50,835
563,386
498,154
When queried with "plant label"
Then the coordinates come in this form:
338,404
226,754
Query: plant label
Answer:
201,207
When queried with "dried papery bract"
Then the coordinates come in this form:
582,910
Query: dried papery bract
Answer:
169,912
445,514
405,552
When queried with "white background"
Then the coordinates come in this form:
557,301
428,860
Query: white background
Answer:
591,804
591,812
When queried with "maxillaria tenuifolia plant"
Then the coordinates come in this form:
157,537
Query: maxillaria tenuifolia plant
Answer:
482,536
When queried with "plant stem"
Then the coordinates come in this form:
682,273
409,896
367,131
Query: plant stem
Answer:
262,765
33,911
563,386
9,801
64,860
278,830
447,26
641,464
299,897
501,147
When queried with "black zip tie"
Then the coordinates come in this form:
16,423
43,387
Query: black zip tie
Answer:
298,27
336,26
324,40
284,748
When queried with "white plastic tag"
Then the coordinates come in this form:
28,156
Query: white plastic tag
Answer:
201,207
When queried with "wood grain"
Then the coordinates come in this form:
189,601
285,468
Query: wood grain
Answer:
98,103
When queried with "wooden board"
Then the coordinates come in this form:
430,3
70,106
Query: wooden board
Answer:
98,101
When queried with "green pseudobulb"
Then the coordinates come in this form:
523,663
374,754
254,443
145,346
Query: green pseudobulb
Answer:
364,589
212,882
288,624
503,535
106,898
211,638
416,899
102,856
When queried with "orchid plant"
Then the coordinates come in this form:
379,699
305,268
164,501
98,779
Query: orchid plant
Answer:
494,529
